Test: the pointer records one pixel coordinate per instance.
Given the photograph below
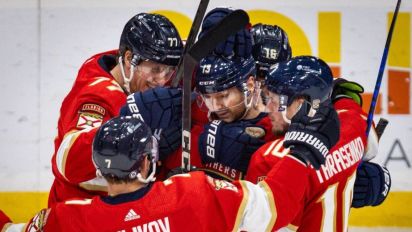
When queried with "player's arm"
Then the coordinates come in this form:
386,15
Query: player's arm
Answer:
274,202
244,206
73,156
344,89
37,223
263,160
373,181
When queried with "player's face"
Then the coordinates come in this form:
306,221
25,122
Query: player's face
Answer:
227,105
149,75
279,125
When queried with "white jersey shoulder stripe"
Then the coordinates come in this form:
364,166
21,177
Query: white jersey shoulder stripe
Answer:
78,202
260,212
64,148
96,184
241,211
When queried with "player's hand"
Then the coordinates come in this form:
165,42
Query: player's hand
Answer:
239,44
372,185
310,138
347,89
170,140
159,108
4,219
231,144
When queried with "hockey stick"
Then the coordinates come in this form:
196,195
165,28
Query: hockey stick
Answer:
380,127
194,30
381,70
229,25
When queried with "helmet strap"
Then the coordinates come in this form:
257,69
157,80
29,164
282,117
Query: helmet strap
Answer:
258,92
248,104
128,79
150,178
284,113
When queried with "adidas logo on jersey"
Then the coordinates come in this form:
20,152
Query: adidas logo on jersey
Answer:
131,215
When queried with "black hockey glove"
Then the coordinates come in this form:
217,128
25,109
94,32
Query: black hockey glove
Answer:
231,144
170,140
160,108
239,44
372,185
347,89
310,138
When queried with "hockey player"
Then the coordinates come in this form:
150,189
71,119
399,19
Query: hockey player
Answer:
305,82
125,153
270,46
227,91
235,48
240,135
150,48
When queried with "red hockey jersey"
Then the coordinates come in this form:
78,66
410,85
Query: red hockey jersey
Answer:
329,195
94,98
189,202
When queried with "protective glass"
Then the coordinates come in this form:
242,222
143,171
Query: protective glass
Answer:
275,102
221,101
155,72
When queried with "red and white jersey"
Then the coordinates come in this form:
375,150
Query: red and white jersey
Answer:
189,202
329,195
94,98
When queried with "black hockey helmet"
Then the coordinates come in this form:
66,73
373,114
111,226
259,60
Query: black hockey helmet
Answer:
270,46
119,147
219,73
302,76
151,37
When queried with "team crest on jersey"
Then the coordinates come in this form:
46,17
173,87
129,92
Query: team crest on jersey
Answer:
93,108
87,120
255,131
222,184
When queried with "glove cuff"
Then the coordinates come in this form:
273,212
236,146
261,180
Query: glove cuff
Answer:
308,140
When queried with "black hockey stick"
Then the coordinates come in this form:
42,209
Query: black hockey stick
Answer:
380,127
228,26
381,69
194,30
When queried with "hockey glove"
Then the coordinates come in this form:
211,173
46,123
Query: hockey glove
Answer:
372,185
231,144
310,138
160,108
170,140
239,44
347,89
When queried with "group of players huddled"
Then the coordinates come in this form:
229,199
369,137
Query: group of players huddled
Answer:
277,144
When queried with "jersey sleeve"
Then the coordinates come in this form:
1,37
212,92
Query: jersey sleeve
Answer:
264,159
73,156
